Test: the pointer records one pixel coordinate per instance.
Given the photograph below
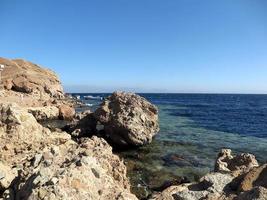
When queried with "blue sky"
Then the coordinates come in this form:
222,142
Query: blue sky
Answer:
142,45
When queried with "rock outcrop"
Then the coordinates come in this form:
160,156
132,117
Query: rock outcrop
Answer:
45,112
238,164
128,119
235,178
23,76
255,177
39,164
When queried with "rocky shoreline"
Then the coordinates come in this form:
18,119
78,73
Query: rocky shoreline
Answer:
76,161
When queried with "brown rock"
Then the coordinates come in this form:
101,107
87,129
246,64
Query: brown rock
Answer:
238,164
52,166
66,112
257,193
128,119
26,77
21,84
255,177
8,84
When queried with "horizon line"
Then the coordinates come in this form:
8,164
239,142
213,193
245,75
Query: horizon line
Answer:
169,93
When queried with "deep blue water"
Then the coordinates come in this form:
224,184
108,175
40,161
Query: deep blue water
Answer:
193,128
238,114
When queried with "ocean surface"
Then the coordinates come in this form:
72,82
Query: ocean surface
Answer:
193,128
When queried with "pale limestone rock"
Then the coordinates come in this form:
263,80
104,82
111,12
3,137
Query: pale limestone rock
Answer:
237,164
44,113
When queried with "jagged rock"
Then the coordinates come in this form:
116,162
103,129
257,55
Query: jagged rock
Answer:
237,164
44,113
84,127
211,186
21,136
26,77
236,178
99,174
7,175
255,177
37,159
52,166
66,112
128,119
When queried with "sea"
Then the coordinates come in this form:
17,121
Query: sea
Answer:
193,129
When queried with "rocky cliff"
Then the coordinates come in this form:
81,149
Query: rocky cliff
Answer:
38,163
23,76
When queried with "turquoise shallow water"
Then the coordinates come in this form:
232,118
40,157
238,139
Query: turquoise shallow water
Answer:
193,128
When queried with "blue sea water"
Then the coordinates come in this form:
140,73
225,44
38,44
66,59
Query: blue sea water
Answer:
193,128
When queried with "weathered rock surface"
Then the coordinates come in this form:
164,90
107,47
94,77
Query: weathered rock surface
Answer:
238,164
86,126
49,165
45,112
128,119
255,177
237,177
7,175
26,77
257,193
66,112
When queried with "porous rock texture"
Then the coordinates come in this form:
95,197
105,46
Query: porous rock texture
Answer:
39,164
238,164
128,119
235,178
45,112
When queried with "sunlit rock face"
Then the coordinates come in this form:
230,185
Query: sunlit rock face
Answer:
128,119
37,163
26,77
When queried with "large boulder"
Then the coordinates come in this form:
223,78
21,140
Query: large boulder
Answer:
128,119
23,76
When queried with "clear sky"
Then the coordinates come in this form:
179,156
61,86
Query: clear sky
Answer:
217,46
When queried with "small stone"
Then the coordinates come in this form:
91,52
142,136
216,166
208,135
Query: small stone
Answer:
53,181
37,159
42,193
